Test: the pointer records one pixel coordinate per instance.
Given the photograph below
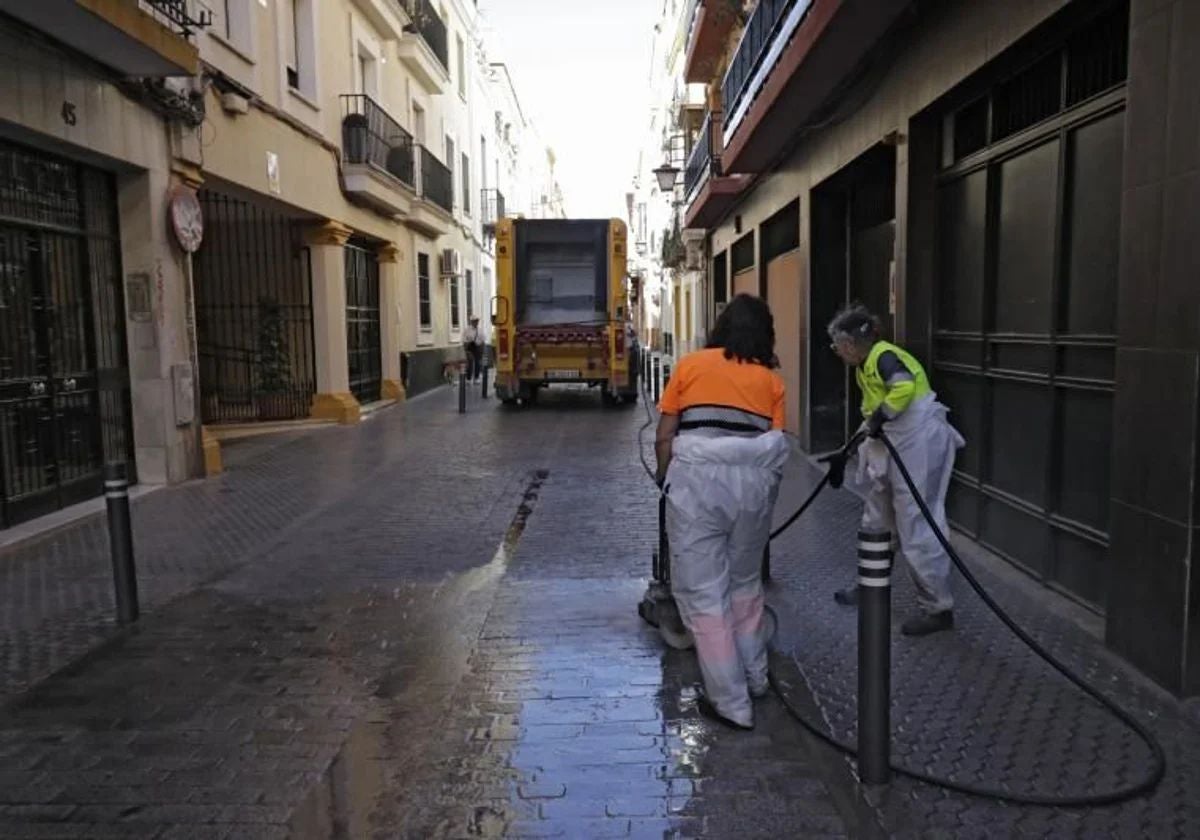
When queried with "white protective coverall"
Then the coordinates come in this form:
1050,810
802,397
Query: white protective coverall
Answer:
927,444
721,493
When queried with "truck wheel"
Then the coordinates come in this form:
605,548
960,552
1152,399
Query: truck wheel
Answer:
608,398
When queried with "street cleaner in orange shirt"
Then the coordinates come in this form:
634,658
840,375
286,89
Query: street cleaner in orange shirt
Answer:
721,451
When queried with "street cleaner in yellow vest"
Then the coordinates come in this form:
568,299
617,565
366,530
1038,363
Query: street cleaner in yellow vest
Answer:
898,400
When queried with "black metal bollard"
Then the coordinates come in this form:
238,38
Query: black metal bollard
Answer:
120,540
766,563
874,656
483,390
654,379
462,389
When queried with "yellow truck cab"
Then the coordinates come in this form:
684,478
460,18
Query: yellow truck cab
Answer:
561,311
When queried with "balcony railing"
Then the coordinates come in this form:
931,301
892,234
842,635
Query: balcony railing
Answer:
431,28
180,15
371,136
760,30
493,207
704,161
437,181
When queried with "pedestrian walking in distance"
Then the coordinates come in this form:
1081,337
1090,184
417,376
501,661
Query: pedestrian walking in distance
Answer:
473,345
721,451
898,400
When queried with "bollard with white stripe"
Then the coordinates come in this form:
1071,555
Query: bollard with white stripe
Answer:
874,656
120,539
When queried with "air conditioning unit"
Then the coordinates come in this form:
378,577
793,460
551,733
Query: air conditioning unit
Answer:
451,263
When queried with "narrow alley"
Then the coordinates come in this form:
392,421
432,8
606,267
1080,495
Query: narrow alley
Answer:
396,398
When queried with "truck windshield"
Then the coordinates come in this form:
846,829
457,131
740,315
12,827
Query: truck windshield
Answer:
562,285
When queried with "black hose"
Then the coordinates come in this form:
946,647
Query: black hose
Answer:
1123,794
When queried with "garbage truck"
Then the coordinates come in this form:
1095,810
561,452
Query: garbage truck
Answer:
561,310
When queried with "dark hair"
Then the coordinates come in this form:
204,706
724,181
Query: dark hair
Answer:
745,330
857,322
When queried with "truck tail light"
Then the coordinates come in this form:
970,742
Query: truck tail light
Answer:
502,344
619,341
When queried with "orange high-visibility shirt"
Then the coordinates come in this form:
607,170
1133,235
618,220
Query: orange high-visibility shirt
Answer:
707,378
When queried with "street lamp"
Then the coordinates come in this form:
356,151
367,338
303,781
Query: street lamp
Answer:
666,175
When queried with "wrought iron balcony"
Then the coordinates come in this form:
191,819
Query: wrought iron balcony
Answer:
437,181
493,208
371,136
179,14
431,28
756,40
705,160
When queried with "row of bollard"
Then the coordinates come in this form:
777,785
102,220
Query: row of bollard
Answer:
657,373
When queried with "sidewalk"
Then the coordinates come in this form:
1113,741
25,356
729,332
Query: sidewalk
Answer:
975,705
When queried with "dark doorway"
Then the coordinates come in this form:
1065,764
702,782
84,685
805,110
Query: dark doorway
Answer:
363,344
854,238
1024,342
64,378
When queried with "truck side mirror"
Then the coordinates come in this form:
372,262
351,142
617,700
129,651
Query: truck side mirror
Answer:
499,311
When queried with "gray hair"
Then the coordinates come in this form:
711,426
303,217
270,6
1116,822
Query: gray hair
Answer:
856,323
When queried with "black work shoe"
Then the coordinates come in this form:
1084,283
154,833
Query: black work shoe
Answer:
926,623
708,710
847,597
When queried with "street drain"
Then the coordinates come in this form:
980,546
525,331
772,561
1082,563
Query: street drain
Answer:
517,527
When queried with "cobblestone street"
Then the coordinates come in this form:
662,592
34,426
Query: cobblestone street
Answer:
420,627
424,626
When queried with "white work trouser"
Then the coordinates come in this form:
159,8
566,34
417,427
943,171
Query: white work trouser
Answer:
927,443
721,493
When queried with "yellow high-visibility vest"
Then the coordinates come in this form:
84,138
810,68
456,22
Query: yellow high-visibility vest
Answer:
894,398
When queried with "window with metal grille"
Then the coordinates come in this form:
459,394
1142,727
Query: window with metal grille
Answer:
1098,57
470,295
1028,98
425,311
1095,60
743,253
971,128
455,309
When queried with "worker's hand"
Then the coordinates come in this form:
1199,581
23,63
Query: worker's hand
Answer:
837,468
875,425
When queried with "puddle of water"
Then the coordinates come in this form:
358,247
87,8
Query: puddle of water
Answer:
354,791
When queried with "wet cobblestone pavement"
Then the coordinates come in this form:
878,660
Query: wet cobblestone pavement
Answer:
420,627
424,627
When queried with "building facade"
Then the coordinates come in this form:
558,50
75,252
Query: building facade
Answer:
1009,185
668,259
223,214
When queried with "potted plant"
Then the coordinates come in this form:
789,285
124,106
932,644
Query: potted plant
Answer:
354,138
272,396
